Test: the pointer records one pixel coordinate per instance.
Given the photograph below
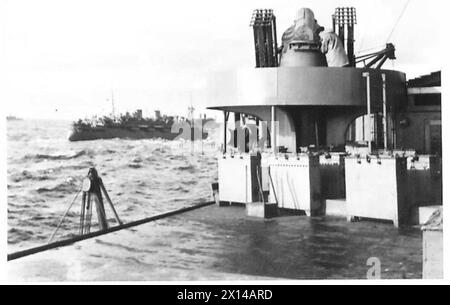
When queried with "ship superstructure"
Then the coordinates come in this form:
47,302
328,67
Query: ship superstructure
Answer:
312,131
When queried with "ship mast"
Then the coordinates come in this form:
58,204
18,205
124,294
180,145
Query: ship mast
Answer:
112,103
191,110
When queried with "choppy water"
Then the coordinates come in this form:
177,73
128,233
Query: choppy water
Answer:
143,177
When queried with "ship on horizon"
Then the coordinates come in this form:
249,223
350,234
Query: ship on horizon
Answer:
13,118
135,126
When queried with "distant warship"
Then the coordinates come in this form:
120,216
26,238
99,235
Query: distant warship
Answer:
13,118
135,126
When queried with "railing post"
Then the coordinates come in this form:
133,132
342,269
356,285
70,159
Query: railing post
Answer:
383,78
273,127
367,76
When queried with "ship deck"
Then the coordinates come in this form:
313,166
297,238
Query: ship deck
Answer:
222,243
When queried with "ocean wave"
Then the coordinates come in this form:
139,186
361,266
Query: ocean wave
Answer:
134,165
127,248
178,188
185,167
189,182
177,157
109,151
151,159
161,150
60,190
84,165
129,209
16,235
190,168
142,177
26,175
57,157
141,184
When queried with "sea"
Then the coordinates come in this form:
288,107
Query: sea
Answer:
147,177
143,178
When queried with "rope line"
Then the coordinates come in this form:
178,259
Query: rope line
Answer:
64,216
371,49
398,20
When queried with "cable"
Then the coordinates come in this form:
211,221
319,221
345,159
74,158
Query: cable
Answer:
370,49
62,219
398,20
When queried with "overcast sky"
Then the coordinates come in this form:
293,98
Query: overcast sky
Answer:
61,59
